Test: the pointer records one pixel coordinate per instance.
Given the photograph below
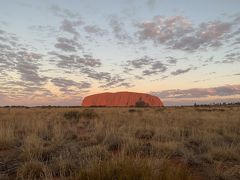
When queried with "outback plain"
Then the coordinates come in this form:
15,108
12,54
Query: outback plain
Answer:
120,143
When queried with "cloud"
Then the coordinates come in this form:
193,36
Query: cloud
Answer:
230,58
29,72
237,40
208,34
63,12
178,32
227,90
93,74
116,81
88,66
20,68
151,3
67,45
95,30
5,47
66,85
113,81
75,62
161,29
2,31
70,26
180,71
118,30
44,28
26,64
23,62
106,79
171,60
147,65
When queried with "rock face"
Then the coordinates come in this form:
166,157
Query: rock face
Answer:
121,99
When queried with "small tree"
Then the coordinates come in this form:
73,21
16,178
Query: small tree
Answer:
141,103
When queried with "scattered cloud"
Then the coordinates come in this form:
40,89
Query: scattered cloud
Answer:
95,30
163,29
44,28
147,65
178,32
70,87
172,60
230,58
89,67
152,3
20,67
118,30
75,62
28,68
227,90
67,45
115,81
180,71
63,12
71,26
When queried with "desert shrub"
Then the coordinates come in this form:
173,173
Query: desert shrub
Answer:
133,169
114,142
7,137
196,146
169,171
62,168
185,132
169,150
142,149
222,172
144,134
32,148
131,110
160,109
72,115
32,170
93,154
88,114
36,149
225,154
232,173
141,103
117,169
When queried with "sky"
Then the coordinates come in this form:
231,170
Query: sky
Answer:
56,52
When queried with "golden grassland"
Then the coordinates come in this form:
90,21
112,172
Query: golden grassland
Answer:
120,143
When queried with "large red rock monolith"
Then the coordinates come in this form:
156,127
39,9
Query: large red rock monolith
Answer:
121,99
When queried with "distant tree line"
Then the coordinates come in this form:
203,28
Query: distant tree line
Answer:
218,104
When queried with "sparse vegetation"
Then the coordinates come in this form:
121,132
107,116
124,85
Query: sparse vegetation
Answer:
141,103
120,143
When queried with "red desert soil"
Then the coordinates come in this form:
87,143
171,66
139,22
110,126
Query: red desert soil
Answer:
121,99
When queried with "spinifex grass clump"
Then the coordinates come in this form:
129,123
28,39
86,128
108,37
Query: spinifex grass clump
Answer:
72,115
89,114
76,115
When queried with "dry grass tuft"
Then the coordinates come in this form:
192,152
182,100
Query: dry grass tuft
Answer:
113,142
7,136
144,134
32,170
